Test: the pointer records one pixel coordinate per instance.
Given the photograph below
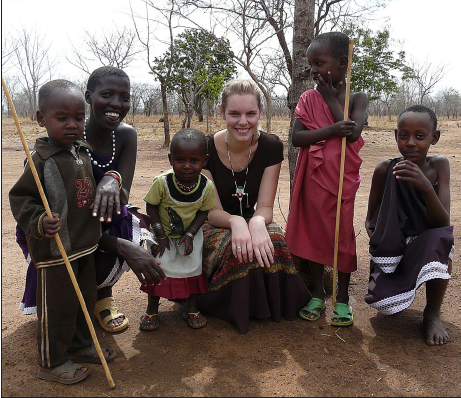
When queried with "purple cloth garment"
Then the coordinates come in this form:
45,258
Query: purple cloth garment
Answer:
129,225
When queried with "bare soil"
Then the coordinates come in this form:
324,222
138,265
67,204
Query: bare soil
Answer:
377,356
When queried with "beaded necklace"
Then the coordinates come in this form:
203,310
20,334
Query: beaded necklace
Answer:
183,187
94,161
239,190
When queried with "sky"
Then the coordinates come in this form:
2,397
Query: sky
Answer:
428,29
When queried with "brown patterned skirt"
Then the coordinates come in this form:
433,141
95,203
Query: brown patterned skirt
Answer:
240,291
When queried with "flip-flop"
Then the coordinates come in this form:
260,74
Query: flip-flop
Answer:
91,358
151,320
342,311
315,306
69,368
188,316
108,303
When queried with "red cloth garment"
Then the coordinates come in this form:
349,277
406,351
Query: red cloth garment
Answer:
178,288
310,230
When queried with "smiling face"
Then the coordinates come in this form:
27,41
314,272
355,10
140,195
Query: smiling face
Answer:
321,61
110,101
415,133
188,157
242,116
63,117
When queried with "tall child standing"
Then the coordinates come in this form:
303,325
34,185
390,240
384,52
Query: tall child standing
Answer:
177,203
65,173
318,131
408,221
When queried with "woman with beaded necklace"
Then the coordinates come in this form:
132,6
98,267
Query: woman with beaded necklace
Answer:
114,147
250,269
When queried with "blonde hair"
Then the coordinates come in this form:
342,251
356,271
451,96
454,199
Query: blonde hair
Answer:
240,86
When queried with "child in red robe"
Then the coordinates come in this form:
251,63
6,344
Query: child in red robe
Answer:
318,131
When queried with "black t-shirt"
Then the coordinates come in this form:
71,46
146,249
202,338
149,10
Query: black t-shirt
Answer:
268,153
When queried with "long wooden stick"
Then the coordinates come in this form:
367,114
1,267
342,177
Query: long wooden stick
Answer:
341,170
58,239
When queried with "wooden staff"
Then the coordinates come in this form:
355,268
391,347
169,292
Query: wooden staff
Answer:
341,170
58,239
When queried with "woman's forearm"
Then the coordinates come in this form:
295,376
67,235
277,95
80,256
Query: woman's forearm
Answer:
265,212
219,218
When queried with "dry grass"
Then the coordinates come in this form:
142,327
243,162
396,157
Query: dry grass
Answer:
149,128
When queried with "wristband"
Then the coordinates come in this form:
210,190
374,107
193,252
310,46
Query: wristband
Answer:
157,225
115,174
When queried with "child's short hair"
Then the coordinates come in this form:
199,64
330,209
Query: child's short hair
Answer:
48,89
337,41
422,109
101,72
189,134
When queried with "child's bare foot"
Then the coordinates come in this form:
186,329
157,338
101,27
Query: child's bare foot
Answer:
435,333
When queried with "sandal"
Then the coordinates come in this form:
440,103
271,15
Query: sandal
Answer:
194,316
149,320
315,306
342,311
91,355
69,369
108,303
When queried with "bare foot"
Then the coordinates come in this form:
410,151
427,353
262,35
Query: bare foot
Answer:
435,333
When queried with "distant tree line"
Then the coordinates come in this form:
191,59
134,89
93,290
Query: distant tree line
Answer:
264,38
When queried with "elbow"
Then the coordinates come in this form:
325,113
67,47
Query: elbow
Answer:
295,140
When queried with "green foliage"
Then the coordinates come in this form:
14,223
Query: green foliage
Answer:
374,64
201,65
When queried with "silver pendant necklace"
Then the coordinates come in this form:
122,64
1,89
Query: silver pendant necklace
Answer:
239,190
74,151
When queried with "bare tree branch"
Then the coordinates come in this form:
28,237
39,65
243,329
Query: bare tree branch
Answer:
116,49
34,64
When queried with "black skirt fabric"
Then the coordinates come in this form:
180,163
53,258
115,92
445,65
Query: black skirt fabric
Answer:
405,251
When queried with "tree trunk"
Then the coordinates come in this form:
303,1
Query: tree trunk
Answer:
269,114
303,33
166,123
199,108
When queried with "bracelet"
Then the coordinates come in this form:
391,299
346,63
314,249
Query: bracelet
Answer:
189,235
157,225
163,237
193,229
115,174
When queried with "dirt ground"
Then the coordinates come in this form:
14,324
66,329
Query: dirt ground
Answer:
377,356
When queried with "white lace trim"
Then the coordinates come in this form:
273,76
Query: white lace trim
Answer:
392,305
387,264
27,310
140,235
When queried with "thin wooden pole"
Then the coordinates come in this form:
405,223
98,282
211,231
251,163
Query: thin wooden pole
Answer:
341,170
58,239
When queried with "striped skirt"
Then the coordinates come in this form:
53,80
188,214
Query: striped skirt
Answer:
240,291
